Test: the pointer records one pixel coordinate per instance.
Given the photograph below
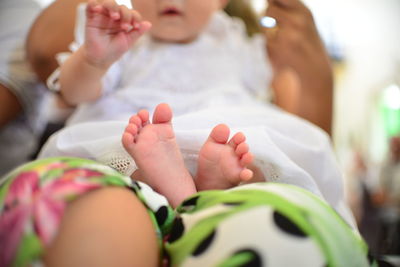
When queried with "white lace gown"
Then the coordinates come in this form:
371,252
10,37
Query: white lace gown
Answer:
219,78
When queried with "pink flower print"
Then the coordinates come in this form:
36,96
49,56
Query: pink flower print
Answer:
22,189
43,205
45,167
11,230
80,173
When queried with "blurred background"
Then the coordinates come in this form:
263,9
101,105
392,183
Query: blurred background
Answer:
363,40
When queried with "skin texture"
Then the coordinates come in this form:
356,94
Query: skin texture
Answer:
190,19
105,227
51,33
154,148
222,163
10,106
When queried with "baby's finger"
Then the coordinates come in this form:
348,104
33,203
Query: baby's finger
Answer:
136,19
112,9
140,30
126,18
144,26
136,15
93,6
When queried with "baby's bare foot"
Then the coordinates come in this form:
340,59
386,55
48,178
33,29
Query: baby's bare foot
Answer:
153,147
223,164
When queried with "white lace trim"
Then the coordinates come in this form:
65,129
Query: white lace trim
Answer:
121,161
271,172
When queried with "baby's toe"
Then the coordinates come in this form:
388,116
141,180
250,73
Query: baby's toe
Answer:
135,119
246,175
246,159
237,139
220,134
144,116
132,129
241,149
127,140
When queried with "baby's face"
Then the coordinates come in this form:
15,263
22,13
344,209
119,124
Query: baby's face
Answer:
178,21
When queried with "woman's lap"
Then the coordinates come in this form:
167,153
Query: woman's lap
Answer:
75,204
75,212
105,227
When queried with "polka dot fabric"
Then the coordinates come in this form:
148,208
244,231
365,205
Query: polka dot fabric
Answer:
264,224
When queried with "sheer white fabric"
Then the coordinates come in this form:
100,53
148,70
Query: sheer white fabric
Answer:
217,79
287,149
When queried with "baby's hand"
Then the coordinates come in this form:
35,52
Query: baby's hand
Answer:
111,29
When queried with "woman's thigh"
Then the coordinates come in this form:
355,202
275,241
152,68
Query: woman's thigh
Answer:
76,212
105,227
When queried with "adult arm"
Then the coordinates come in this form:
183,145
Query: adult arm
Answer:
303,81
51,33
10,106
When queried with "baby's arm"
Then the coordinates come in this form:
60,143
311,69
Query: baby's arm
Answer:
110,31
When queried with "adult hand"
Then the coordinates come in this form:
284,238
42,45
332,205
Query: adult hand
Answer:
296,42
296,51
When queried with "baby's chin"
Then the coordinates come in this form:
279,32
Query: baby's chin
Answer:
174,37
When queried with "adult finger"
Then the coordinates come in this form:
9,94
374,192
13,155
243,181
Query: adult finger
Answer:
277,54
280,15
302,21
289,4
271,33
286,46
